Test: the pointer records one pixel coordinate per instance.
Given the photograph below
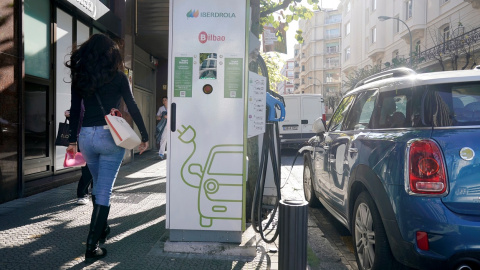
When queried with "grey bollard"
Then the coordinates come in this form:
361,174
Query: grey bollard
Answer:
292,225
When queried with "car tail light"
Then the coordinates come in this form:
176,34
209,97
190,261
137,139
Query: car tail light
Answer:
426,169
324,117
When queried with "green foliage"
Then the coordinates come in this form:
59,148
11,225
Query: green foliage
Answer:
285,11
359,74
274,65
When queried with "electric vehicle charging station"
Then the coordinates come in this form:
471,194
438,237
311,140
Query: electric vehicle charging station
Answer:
207,165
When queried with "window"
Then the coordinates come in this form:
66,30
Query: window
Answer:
444,1
333,33
333,62
392,109
347,53
452,104
409,9
303,67
37,38
349,6
446,33
332,47
347,29
290,73
374,35
340,114
374,5
362,110
290,65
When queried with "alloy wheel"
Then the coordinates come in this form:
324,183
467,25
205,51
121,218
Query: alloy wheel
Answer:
365,236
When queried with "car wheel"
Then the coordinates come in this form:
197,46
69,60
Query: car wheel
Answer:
372,250
308,190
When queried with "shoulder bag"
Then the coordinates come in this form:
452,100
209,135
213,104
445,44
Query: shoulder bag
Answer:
122,133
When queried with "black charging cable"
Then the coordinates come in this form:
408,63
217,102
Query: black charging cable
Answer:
272,149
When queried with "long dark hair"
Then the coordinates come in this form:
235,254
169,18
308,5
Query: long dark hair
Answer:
94,63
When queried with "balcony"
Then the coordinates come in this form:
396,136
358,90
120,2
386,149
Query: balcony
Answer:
332,36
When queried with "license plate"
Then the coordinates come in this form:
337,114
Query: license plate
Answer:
290,127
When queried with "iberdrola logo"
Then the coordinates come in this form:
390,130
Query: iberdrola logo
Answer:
193,14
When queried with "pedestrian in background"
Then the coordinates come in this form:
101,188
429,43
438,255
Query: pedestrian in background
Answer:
162,128
96,71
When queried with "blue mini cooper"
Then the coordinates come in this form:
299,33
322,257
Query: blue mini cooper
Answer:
399,165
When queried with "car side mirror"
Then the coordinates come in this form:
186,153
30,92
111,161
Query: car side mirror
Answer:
319,126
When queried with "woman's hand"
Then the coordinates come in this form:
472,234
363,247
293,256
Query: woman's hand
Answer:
143,146
72,148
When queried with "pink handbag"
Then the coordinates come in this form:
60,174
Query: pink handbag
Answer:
72,160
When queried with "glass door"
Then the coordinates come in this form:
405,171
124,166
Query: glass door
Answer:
38,89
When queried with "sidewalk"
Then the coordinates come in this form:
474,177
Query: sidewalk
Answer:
48,230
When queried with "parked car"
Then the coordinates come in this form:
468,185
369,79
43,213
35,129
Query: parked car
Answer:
397,166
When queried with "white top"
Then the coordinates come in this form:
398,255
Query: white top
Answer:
160,110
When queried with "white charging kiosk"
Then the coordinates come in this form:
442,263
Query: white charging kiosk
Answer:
206,163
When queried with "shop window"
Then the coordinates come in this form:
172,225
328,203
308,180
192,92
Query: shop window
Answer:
36,128
36,29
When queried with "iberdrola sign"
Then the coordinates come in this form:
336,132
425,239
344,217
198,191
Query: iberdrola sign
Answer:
207,14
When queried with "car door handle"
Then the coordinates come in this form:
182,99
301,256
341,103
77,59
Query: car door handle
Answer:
353,150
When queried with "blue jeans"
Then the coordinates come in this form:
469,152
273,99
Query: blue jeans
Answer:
103,158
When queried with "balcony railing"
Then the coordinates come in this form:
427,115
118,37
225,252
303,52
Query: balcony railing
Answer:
452,45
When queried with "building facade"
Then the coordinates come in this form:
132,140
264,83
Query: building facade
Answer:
36,39
287,87
426,35
319,57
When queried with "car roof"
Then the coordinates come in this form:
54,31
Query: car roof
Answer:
411,79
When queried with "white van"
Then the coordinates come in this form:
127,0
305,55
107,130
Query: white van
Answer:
300,113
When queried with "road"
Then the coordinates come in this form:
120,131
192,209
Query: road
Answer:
338,236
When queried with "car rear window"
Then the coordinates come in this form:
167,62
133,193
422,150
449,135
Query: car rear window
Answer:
452,105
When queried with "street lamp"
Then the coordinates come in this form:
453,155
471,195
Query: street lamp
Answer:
320,84
384,18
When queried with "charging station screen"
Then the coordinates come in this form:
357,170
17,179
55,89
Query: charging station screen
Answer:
208,66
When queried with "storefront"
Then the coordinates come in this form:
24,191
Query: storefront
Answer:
35,87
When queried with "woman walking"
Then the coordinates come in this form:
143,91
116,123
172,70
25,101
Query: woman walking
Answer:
96,71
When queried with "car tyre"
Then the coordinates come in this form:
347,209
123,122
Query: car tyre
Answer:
308,177
370,243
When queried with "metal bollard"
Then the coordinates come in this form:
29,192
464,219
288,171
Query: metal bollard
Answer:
293,221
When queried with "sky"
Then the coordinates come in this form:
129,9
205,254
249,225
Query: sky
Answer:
293,26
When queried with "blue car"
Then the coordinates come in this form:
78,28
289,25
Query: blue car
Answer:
397,164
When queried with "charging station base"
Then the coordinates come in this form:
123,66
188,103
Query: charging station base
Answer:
205,236
246,246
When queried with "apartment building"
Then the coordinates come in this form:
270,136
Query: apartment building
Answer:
425,34
319,57
286,87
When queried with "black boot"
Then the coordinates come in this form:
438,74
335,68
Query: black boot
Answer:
99,217
106,229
